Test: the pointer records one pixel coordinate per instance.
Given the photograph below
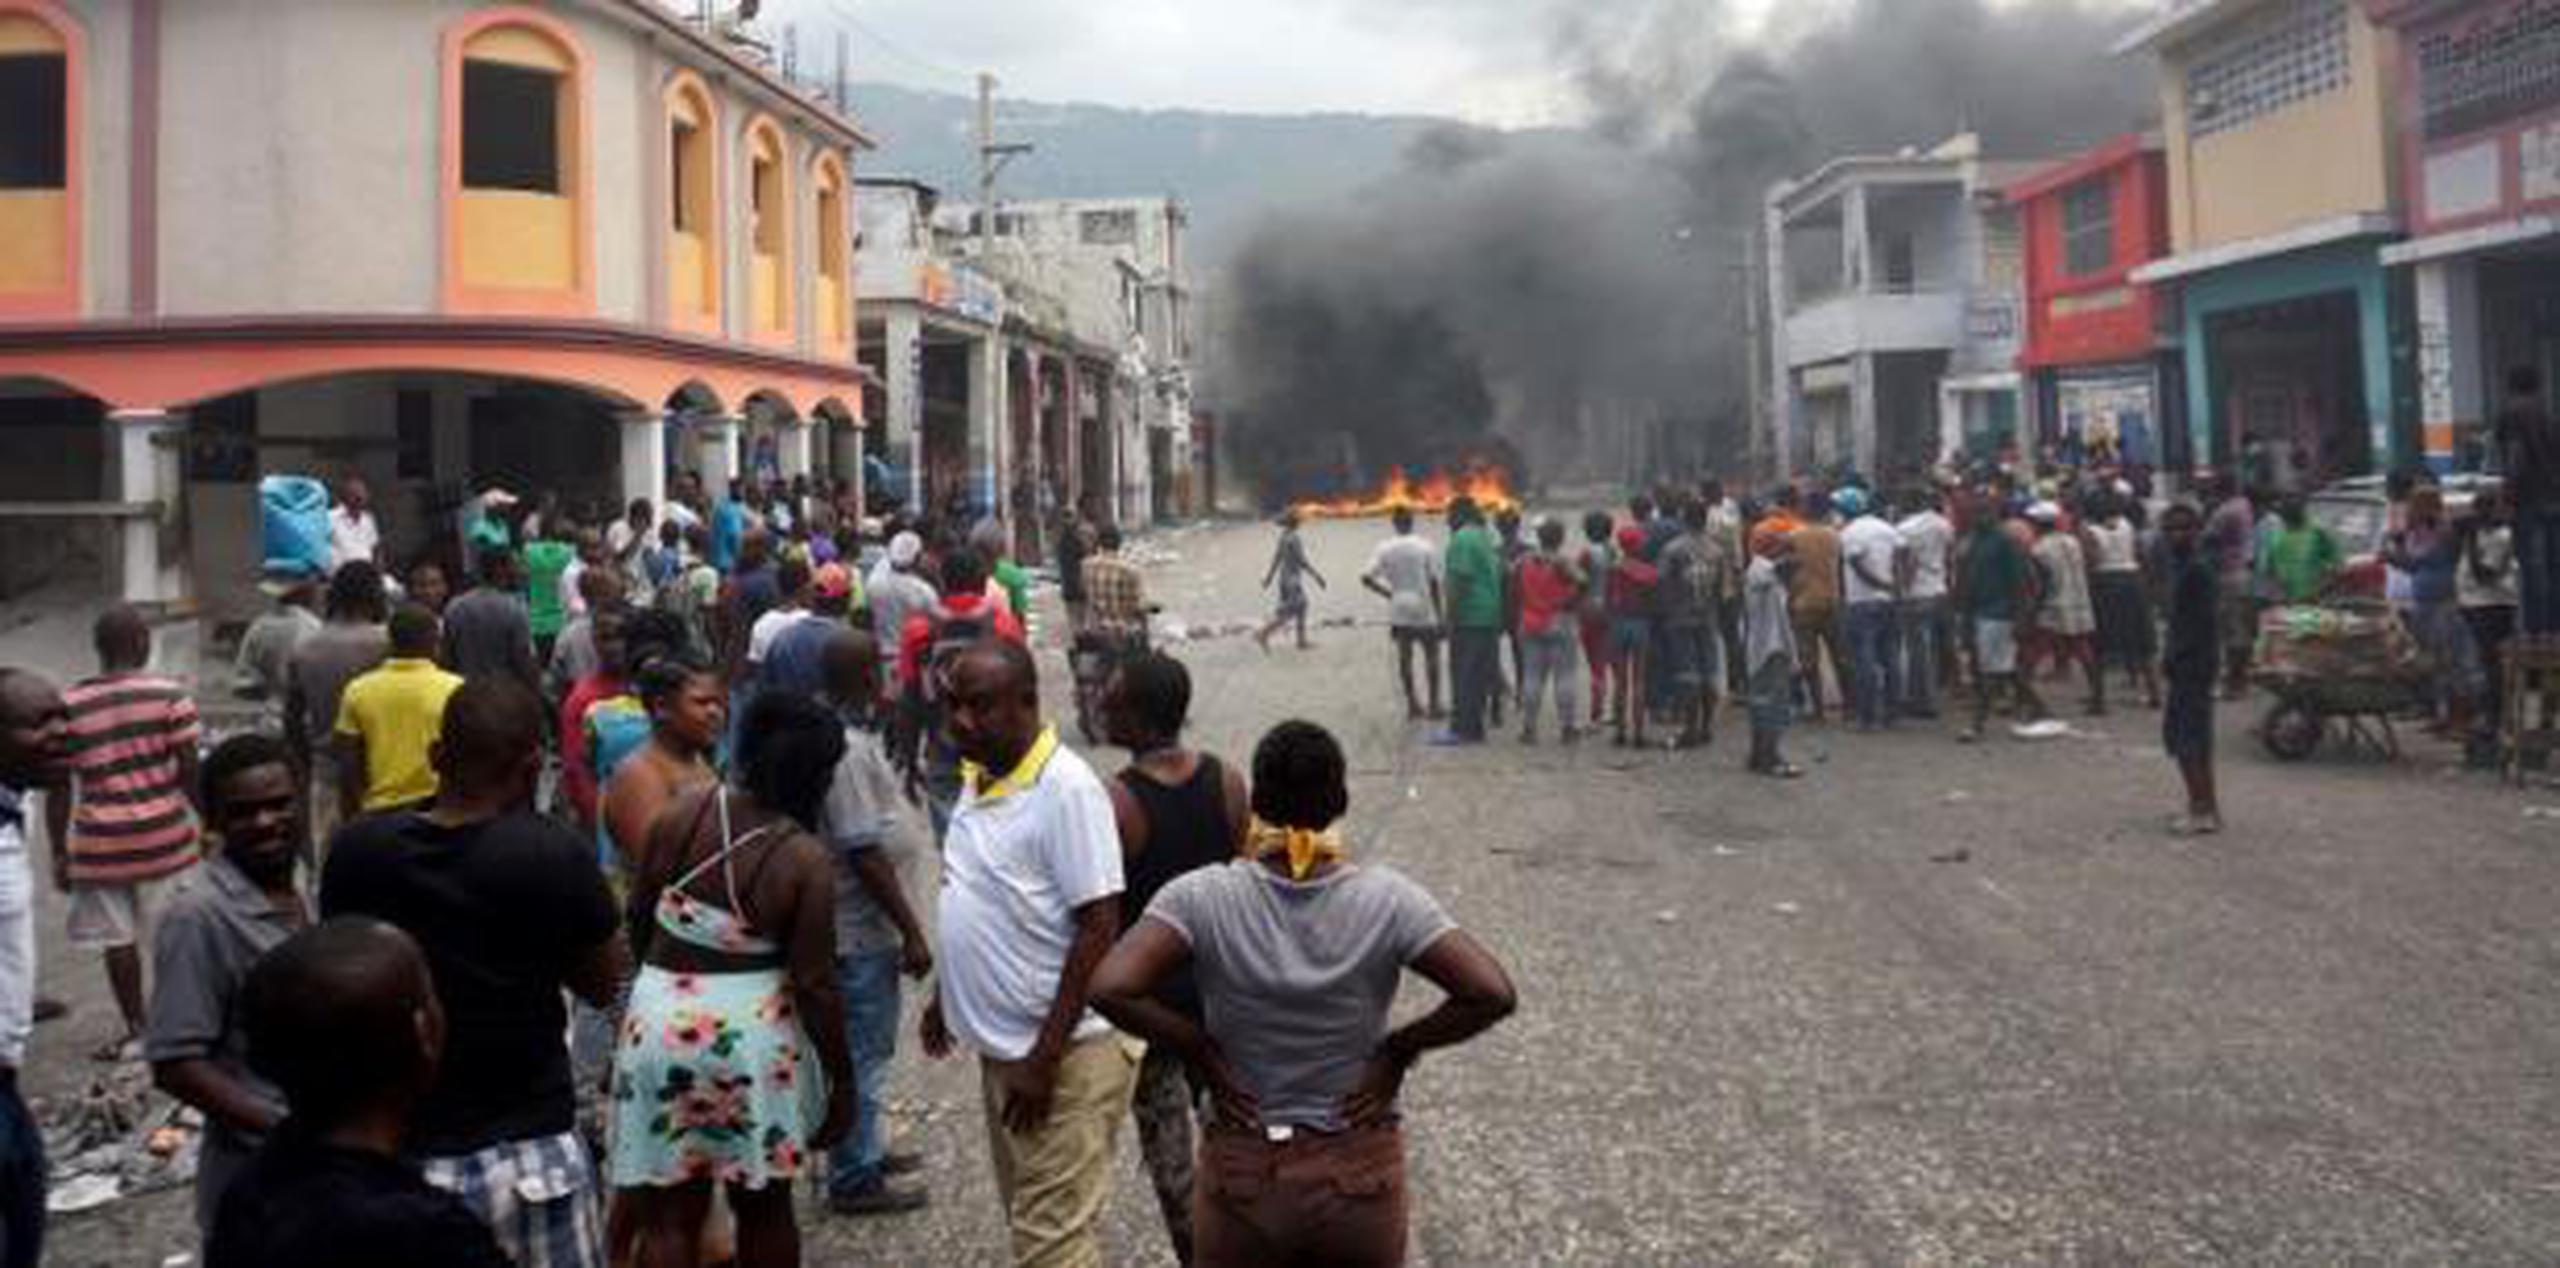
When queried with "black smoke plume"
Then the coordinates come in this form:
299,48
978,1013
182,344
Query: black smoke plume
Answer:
1576,297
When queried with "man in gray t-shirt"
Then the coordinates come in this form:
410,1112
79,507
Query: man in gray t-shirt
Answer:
1297,976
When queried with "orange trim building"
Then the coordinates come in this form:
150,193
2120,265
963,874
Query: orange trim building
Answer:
570,248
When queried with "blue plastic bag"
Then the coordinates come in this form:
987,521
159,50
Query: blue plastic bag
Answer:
293,522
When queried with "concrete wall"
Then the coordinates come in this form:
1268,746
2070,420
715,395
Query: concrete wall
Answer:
2312,160
299,156
106,155
2350,267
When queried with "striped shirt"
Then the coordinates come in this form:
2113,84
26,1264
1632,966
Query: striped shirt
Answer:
130,820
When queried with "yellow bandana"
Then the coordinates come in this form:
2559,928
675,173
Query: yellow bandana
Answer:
1305,847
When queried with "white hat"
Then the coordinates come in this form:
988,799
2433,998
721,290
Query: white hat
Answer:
2044,513
904,548
497,497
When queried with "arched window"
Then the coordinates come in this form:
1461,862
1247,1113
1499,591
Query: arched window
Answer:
39,160
693,204
768,228
834,287
515,158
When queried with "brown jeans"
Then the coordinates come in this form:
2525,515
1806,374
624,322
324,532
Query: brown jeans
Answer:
1337,1201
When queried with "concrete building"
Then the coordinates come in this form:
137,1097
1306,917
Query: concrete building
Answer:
2280,123
561,247
1099,383
1894,293
2103,374
2479,99
931,328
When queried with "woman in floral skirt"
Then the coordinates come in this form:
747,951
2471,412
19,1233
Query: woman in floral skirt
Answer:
714,1082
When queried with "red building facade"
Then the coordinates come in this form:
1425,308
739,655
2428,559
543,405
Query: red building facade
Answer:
2102,377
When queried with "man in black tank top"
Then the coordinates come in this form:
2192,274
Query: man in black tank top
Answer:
1178,810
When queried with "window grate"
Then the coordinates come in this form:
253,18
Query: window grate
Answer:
2295,51
2089,227
2490,71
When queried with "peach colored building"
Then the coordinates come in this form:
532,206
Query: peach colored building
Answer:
563,247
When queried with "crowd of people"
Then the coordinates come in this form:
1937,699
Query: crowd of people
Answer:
566,920
1975,589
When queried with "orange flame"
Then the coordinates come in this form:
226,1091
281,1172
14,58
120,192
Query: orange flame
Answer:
1488,484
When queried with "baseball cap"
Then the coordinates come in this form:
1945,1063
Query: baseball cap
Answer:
831,581
904,548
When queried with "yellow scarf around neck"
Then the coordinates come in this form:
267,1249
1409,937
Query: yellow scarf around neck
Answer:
1305,847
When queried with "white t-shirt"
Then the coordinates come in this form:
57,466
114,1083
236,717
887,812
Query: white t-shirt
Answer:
1407,565
769,627
2116,544
353,535
1015,867
1930,539
1870,540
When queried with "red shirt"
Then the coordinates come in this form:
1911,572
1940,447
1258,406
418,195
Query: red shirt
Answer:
1548,590
131,821
577,780
917,638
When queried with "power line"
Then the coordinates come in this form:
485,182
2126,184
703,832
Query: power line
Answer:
895,50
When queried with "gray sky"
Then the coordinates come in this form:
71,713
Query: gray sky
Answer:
1486,60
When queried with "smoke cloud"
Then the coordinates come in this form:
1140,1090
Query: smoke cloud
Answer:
1573,300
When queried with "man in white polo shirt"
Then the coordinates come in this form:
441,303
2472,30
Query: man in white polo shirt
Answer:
1030,903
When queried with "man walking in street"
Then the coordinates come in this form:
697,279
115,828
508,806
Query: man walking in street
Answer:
1871,551
1405,571
35,755
1813,598
2186,725
388,720
868,826
1687,643
1030,903
513,914
242,903
1474,569
129,825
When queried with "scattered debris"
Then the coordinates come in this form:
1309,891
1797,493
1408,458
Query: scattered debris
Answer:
2542,812
1666,917
1956,797
1785,909
2044,729
1724,852
1953,856
121,1138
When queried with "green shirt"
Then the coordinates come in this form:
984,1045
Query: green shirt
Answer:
1474,569
1017,586
544,561
2300,561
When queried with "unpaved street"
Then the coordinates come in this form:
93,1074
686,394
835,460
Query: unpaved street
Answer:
1932,1003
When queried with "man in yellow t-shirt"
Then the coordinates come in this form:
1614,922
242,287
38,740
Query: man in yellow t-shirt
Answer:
388,719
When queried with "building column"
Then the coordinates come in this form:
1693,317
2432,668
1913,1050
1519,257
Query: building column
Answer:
902,397
2452,390
644,456
990,415
148,472
1071,480
1862,414
792,442
1856,278
718,443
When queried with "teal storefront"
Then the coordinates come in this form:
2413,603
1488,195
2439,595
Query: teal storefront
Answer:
2298,365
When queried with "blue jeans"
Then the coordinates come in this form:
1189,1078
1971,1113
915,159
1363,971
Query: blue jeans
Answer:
22,1180
1549,659
1878,672
1474,668
869,981
1924,641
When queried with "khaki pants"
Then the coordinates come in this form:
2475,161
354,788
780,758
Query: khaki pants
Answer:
1054,1180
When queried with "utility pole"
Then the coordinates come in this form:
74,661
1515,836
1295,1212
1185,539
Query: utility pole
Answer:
992,156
